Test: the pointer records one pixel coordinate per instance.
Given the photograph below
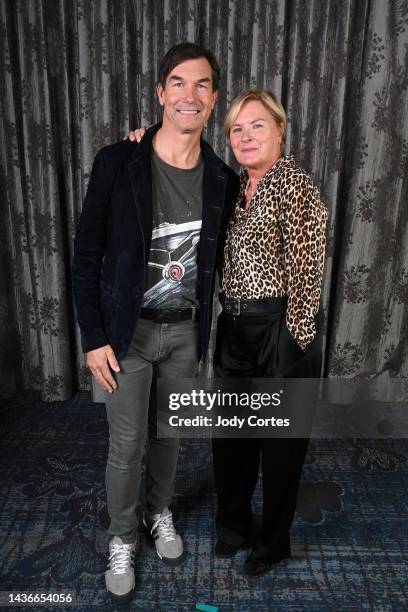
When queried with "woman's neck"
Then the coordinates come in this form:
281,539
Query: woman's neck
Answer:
255,174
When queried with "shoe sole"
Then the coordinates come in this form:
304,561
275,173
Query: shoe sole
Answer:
232,553
167,560
172,562
121,599
268,567
258,574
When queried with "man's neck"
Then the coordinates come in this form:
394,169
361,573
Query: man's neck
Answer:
179,150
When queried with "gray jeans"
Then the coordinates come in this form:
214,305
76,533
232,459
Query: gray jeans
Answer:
157,350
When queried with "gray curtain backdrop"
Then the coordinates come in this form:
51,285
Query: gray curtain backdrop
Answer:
76,74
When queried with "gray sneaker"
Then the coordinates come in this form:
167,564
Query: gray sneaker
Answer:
169,545
120,575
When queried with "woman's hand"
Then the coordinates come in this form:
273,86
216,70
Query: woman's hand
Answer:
136,135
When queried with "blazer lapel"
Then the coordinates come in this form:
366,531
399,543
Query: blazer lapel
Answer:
213,198
215,181
140,176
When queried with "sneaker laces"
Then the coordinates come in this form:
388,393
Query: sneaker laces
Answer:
164,524
121,558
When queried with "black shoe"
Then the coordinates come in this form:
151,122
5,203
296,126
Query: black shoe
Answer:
226,551
253,567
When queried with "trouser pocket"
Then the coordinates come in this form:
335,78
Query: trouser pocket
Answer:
289,355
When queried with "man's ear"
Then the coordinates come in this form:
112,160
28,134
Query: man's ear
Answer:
160,94
215,97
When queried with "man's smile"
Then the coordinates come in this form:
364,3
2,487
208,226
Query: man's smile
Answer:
190,111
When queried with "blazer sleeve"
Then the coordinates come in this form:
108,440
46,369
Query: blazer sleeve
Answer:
89,251
303,223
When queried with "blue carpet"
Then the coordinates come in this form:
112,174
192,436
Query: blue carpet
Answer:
349,538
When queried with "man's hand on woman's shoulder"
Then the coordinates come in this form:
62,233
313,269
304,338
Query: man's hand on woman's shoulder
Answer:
136,135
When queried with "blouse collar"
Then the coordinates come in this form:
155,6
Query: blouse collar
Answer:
284,161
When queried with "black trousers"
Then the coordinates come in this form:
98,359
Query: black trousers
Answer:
259,346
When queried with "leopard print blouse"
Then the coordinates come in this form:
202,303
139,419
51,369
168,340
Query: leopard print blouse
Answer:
276,247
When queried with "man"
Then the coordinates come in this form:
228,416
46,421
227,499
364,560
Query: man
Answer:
143,276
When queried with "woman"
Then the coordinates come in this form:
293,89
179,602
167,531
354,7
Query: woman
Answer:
271,281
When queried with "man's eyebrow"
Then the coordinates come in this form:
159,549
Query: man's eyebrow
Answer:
174,77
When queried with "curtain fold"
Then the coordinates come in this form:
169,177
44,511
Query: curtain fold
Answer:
76,75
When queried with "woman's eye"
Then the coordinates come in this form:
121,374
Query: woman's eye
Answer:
257,125
235,130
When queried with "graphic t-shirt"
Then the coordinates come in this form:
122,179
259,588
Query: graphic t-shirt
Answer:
172,274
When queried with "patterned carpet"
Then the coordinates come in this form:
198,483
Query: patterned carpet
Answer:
349,539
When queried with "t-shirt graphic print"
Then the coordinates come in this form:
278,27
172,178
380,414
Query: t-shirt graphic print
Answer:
171,281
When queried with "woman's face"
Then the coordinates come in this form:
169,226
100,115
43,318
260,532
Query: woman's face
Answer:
255,137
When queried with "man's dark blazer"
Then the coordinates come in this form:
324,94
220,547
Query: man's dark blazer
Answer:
113,241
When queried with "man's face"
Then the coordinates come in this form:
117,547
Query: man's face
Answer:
188,97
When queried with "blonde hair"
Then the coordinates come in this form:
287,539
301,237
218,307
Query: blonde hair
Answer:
267,99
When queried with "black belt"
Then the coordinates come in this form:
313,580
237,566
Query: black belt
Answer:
159,315
239,306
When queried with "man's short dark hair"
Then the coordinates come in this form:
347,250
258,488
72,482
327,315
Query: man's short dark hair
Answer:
187,51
